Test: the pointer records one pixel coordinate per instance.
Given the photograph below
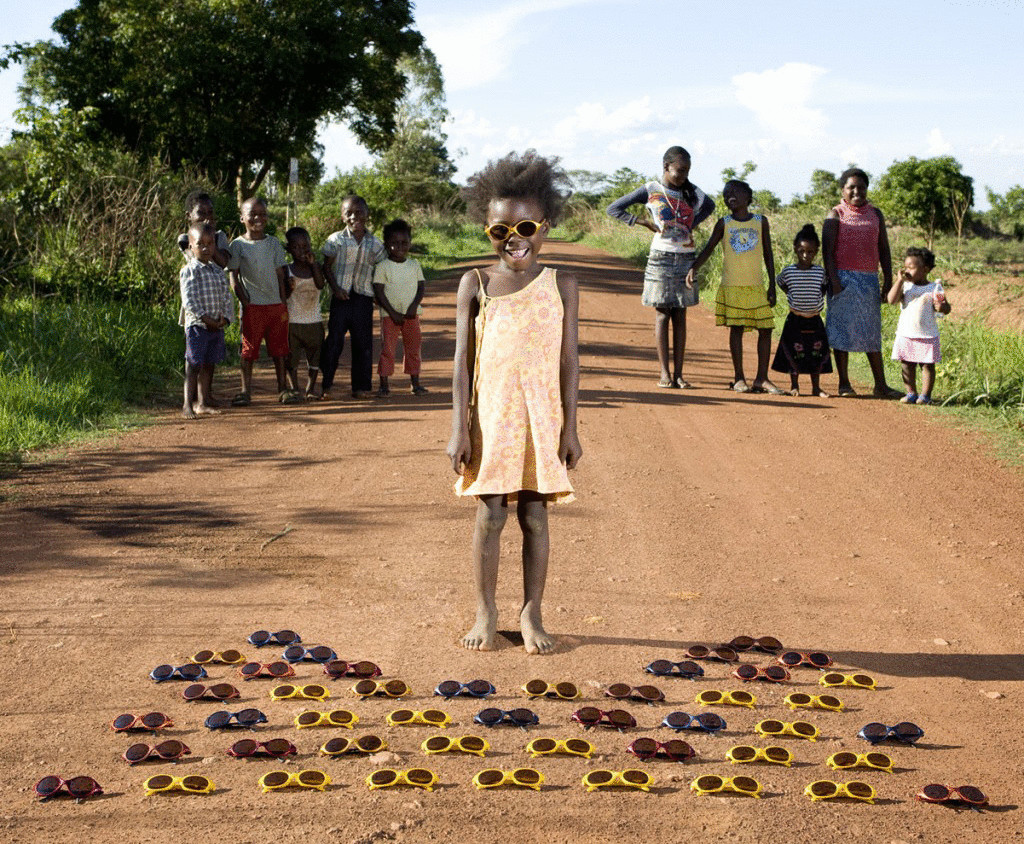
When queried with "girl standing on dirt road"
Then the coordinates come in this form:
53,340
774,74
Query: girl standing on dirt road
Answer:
677,207
515,384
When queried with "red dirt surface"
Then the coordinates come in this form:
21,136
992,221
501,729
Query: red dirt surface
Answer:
862,528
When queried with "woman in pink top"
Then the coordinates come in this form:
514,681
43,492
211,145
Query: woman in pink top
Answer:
855,243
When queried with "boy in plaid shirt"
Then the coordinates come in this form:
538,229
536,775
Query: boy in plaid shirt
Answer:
207,305
349,259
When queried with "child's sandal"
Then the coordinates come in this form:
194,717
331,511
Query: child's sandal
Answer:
923,399
243,399
909,398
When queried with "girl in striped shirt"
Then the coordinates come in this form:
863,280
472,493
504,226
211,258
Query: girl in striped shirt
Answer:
803,346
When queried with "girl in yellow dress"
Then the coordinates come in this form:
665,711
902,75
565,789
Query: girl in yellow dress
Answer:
515,383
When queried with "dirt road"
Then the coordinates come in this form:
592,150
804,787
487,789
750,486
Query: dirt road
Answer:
861,528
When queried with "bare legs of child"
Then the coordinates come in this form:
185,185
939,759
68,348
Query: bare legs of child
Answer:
491,515
794,380
910,382
198,389
764,348
280,370
676,317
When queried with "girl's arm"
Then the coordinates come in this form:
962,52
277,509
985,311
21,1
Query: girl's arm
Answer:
884,255
618,209
459,447
569,449
769,258
704,210
895,293
829,239
716,235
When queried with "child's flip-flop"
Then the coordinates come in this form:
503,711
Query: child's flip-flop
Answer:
739,387
289,397
771,389
243,399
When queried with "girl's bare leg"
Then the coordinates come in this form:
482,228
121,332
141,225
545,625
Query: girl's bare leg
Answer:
927,378
491,512
909,376
661,323
533,520
736,351
678,345
764,351
816,386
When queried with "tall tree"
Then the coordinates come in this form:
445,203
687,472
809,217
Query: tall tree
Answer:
932,194
232,86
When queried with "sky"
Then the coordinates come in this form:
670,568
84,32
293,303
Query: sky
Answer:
793,86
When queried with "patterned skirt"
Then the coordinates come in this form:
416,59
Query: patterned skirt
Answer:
916,349
665,280
744,305
854,317
803,347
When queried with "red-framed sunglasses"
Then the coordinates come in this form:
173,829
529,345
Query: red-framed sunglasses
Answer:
168,751
78,787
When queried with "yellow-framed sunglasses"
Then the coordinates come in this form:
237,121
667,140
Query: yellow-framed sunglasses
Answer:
714,697
858,681
464,744
848,759
193,783
630,778
416,777
743,753
430,717
495,778
303,779
801,700
712,784
827,790
800,729
335,718
364,744
228,657
503,231
391,688
287,691
548,746
542,688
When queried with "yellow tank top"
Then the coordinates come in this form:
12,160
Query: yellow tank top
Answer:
742,252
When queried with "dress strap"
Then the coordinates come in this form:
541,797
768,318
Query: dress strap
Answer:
482,294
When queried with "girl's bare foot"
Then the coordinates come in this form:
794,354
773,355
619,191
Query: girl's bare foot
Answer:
821,394
481,636
535,638
206,410
188,412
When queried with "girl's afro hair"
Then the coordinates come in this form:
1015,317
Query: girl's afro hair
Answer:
526,176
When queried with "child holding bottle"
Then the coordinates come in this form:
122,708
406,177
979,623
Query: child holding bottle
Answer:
917,332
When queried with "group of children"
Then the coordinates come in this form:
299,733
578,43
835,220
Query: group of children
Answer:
280,302
856,247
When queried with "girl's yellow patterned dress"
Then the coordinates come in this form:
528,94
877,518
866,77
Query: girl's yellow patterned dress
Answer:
516,409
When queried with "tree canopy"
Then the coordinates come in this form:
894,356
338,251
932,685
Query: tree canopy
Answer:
932,194
231,86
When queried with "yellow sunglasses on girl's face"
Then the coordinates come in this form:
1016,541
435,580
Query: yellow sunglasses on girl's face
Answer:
712,784
525,777
387,777
846,759
304,779
286,691
800,729
334,718
743,753
827,789
192,783
465,744
799,700
502,231
547,746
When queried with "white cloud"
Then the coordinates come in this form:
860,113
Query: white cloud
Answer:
937,144
779,100
476,50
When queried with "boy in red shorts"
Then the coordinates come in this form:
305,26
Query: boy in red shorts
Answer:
258,277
